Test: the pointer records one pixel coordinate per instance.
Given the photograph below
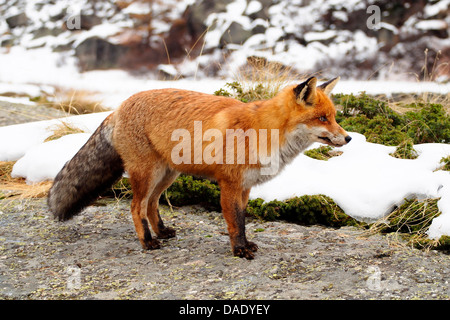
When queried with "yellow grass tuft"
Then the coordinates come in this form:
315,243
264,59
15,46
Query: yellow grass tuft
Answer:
426,75
71,101
263,78
78,102
63,129
16,188
409,223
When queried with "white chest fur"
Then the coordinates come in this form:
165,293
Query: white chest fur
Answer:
296,141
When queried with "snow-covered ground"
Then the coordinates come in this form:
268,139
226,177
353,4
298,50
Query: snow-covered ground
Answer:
41,70
364,181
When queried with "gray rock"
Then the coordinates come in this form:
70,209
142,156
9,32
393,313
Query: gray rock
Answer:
235,34
17,20
98,53
44,31
197,13
7,40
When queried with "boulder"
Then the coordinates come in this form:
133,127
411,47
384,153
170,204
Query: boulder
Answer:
88,21
44,32
235,34
197,13
17,20
98,53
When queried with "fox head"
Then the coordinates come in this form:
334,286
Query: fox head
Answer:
315,112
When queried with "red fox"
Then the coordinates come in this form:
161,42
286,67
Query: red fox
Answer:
155,135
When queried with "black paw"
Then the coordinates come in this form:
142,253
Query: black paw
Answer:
166,233
243,252
251,246
151,244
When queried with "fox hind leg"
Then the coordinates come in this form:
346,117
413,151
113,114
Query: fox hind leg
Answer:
143,183
153,216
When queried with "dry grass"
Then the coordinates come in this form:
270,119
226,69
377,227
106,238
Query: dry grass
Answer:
71,101
16,188
427,74
78,102
409,222
264,78
260,79
402,103
63,129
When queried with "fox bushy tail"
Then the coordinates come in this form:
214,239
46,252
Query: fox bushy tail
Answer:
95,167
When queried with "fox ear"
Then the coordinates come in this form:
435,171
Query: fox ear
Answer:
306,92
329,85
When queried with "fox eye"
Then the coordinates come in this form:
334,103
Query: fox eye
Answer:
323,119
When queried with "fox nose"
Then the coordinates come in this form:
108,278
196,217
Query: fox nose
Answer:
348,139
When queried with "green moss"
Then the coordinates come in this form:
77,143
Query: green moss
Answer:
353,106
380,124
121,189
188,190
413,216
305,210
441,244
446,163
405,150
379,129
322,153
429,124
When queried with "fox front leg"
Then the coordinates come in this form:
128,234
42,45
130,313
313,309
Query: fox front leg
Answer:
233,210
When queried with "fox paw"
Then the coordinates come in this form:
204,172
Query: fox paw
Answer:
251,246
166,233
245,252
151,244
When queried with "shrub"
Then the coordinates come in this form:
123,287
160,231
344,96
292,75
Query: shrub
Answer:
429,124
380,124
365,105
378,129
405,150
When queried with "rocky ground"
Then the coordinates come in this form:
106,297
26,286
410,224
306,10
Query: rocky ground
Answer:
97,256
16,113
